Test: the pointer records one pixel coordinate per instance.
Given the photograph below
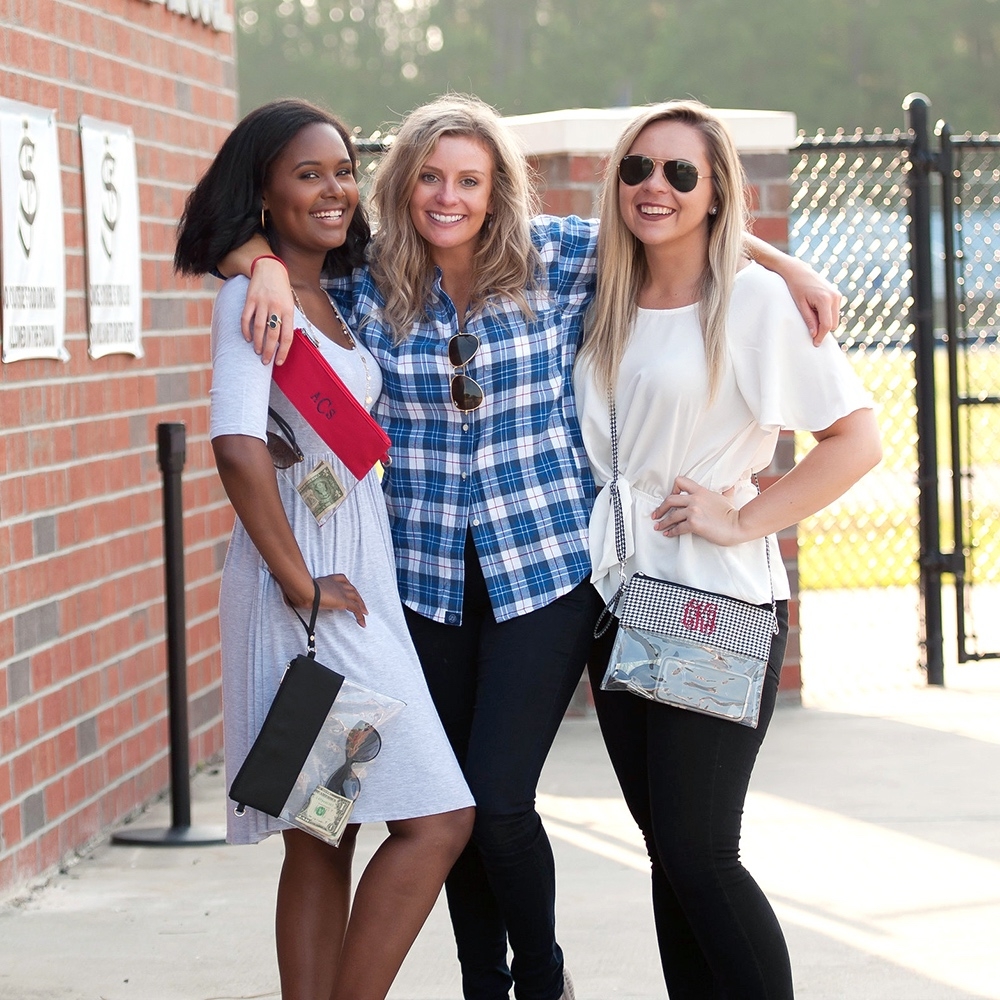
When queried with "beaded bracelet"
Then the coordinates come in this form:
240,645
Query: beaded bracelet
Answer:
266,256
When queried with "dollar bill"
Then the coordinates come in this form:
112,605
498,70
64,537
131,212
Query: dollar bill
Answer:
322,492
325,814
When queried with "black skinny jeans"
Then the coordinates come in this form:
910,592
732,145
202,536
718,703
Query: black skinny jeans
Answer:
685,777
501,691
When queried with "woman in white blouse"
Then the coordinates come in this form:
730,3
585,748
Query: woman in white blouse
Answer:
706,358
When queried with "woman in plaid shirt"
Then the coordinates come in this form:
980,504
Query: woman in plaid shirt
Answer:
473,309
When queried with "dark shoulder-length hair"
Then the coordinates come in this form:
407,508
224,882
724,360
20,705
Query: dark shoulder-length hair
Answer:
224,209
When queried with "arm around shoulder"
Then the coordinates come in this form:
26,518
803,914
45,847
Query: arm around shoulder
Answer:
269,314
816,298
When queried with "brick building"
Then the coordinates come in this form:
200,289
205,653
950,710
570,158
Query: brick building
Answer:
83,726
83,703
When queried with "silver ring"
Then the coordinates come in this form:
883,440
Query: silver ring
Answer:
274,322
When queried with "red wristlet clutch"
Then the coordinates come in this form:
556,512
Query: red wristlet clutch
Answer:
318,393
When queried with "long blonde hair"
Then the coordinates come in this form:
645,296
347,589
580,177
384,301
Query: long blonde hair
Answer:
622,268
506,261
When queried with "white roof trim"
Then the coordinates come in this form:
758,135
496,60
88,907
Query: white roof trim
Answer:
594,131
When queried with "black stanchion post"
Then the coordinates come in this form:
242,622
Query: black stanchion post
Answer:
170,451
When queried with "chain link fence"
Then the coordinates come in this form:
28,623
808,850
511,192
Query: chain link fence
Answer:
848,219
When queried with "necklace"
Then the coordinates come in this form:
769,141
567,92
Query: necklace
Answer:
350,339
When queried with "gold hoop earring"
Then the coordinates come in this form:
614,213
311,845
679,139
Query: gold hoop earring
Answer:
263,224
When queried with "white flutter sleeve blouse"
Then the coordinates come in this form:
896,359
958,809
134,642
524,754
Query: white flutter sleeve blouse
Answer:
773,378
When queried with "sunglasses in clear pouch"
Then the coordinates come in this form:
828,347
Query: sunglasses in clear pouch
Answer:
318,739
330,782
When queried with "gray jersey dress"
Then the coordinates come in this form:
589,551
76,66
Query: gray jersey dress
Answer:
416,773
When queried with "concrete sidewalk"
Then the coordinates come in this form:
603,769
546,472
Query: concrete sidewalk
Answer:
873,824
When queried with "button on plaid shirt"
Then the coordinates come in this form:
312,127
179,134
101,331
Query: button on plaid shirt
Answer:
513,472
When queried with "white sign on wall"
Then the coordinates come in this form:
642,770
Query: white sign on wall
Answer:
33,248
114,262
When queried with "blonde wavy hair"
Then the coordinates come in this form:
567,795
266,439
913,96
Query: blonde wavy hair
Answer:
622,269
506,261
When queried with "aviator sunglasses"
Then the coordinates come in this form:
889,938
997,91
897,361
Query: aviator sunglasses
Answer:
466,393
682,175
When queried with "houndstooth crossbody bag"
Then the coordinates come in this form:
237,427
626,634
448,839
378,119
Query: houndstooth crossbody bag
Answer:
682,646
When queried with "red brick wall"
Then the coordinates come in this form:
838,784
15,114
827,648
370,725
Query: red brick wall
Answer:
83,725
570,184
769,195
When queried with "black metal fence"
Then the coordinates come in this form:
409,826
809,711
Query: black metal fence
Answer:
907,224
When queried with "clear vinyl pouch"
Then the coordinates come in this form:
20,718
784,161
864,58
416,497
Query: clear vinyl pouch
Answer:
323,485
345,749
315,746
687,674
690,648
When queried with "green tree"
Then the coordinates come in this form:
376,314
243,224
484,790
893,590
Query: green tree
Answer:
834,65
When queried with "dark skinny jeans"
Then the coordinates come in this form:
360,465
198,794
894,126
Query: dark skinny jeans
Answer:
501,691
685,778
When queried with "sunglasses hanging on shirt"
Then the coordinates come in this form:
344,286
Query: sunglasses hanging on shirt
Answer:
466,393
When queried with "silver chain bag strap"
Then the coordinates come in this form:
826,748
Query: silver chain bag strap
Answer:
681,646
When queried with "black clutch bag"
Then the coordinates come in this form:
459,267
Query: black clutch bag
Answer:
304,699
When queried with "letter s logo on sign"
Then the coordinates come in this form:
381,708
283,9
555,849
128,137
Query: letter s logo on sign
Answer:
324,405
109,200
27,192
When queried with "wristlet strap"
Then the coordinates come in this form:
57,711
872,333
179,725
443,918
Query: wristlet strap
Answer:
311,627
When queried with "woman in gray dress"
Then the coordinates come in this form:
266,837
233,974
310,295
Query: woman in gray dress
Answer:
291,167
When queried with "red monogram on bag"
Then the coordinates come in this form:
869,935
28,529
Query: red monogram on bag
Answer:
699,616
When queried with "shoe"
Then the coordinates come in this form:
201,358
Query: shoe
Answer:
568,992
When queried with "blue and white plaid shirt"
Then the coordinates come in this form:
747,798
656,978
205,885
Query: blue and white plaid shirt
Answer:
513,472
